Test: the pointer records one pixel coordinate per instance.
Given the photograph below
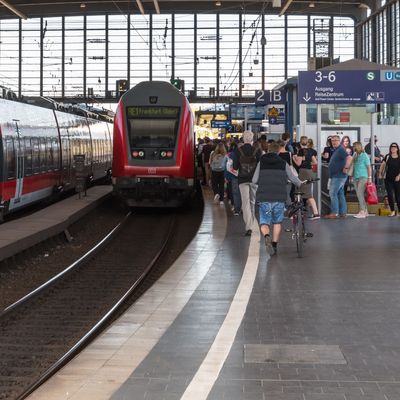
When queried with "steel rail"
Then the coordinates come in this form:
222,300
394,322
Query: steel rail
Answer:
76,264
89,336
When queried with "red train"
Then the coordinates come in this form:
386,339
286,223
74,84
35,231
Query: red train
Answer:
154,146
37,149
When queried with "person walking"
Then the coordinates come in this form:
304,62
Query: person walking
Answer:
245,160
305,159
390,172
378,157
217,166
338,167
271,176
205,154
288,157
362,173
231,176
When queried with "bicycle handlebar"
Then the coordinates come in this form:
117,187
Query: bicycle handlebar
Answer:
308,181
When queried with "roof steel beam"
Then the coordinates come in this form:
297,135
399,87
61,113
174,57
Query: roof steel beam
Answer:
140,6
13,9
156,6
285,7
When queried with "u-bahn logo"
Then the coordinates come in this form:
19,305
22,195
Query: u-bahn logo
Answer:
152,171
392,76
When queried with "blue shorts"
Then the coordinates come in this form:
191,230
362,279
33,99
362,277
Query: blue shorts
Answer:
271,213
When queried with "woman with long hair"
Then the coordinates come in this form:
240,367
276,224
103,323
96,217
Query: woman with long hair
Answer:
217,165
390,172
362,173
328,150
346,143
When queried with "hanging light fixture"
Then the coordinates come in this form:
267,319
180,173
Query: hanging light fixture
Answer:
311,5
218,3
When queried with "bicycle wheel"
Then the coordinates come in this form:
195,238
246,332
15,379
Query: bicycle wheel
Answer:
299,233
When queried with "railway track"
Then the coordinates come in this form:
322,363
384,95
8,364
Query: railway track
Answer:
42,332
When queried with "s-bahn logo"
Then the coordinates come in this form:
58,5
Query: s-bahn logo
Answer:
152,171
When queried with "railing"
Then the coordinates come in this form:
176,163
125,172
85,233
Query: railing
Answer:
351,193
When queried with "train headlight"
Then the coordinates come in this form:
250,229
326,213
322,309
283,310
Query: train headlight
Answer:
163,154
169,154
138,153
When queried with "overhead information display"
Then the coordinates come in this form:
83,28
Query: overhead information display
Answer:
335,87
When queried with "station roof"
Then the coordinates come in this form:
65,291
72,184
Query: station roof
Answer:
41,8
355,64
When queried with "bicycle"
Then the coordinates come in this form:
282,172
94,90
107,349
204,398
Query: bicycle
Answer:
297,211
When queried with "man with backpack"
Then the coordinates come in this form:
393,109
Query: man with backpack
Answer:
217,165
245,160
271,176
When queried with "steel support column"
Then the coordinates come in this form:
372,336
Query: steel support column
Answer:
128,51
41,59
217,63
331,42
263,43
84,55
173,46
195,54
151,47
20,60
285,57
62,57
373,55
240,55
106,63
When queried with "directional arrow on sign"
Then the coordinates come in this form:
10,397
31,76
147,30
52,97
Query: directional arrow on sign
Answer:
307,98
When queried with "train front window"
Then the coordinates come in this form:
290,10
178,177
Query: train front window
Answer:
153,127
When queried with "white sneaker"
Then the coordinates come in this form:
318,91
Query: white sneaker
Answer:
221,203
361,214
216,198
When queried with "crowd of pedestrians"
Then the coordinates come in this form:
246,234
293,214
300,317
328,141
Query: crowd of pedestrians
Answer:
247,172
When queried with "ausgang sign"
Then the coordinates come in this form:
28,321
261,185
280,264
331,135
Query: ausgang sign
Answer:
335,87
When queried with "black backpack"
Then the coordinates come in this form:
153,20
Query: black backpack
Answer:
248,164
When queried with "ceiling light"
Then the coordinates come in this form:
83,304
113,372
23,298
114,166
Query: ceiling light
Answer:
311,5
13,9
218,4
140,6
83,5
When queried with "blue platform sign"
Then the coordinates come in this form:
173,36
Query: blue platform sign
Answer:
264,97
225,124
362,87
237,111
